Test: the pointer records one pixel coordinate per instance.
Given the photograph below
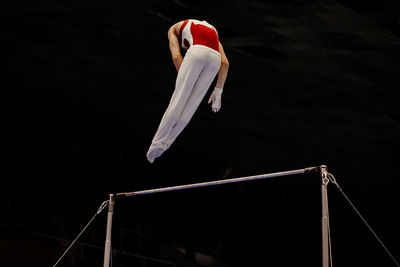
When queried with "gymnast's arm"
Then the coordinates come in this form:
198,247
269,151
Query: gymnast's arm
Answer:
223,70
173,34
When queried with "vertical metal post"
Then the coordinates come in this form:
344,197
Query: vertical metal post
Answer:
107,248
325,216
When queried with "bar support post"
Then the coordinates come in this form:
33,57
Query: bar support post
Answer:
325,217
107,248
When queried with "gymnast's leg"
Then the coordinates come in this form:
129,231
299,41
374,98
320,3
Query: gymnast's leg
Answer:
188,74
200,89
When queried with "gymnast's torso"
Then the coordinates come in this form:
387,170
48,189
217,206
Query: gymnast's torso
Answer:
196,32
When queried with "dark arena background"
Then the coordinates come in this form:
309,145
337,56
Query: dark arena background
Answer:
310,83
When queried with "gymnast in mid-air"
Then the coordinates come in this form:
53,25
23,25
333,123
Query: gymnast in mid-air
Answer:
203,60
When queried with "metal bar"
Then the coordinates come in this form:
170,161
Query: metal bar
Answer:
218,182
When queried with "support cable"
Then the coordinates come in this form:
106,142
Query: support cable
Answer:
333,180
102,206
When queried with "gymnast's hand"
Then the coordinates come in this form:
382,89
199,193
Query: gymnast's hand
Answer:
216,99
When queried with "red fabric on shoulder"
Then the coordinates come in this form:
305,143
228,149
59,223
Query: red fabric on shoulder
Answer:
181,29
183,26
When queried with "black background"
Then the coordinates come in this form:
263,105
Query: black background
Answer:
310,83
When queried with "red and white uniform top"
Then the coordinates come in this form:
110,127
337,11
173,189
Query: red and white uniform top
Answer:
196,32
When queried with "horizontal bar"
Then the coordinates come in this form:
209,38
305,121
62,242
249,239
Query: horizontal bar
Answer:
218,182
